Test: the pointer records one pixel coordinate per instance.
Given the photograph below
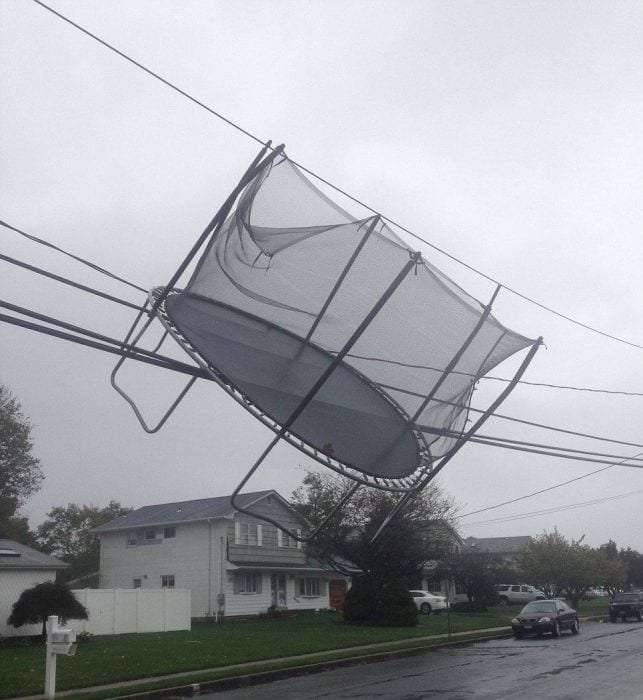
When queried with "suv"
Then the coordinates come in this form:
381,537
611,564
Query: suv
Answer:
519,593
626,605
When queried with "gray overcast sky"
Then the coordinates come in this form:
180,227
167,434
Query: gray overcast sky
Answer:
509,134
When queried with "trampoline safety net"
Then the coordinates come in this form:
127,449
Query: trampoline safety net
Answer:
294,300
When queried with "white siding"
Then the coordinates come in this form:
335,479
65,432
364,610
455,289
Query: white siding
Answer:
194,557
12,584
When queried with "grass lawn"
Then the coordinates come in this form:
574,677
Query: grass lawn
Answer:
108,659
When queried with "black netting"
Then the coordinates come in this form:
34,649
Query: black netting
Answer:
284,285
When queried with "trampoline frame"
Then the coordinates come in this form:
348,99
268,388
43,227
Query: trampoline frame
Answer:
408,486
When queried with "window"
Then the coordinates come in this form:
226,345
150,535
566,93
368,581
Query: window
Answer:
247,533
132,539
137,583
167,581
169,532
247,582
308,587
150,534
284,540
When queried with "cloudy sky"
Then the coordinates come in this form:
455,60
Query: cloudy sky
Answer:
509,134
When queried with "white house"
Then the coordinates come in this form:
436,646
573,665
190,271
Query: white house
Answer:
22,567
233,564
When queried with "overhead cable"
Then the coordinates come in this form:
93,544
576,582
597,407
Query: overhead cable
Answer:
549,488
331,185
90,264
558,509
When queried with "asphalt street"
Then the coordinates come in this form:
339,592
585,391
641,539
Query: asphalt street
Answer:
603,661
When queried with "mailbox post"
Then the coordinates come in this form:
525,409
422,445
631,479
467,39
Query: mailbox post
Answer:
59,641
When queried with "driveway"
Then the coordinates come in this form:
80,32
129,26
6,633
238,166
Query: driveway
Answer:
603,661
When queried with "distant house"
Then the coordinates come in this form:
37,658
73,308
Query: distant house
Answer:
22,567
506,548
234,565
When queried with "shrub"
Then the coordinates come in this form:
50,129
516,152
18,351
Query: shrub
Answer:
360,602
396,607
36,604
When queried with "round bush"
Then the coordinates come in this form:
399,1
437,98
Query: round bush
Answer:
396,607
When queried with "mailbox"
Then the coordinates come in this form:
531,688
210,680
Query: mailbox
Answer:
63,641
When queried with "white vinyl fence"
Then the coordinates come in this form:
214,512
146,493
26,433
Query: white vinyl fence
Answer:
118,611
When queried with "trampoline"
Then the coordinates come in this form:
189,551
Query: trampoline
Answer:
332,332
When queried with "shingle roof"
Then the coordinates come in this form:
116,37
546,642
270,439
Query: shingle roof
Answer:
183,511
14,555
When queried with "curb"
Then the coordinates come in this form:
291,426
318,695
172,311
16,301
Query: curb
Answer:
261,677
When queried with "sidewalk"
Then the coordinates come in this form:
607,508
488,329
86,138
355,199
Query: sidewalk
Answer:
250,673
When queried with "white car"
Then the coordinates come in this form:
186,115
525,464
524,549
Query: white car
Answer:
428,602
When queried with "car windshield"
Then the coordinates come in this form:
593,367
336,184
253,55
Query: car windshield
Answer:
625,598
540,606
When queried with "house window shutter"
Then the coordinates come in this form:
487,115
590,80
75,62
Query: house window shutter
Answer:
259,535
236,586
237,532
259,577
280,538
299,542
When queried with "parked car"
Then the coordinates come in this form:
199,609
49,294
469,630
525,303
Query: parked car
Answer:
517,593
428,602
626,605
542,616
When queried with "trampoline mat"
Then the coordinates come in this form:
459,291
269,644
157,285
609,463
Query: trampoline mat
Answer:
348,418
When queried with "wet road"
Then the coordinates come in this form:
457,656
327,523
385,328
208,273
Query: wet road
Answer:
603,662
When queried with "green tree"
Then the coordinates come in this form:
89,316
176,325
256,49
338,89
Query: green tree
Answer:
476,572
633,562
419,533
67,534
20,472
560,567
36,604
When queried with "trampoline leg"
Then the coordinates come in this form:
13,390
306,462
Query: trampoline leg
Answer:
126,396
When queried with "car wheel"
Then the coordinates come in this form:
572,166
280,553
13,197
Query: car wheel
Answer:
503,600
425,608
518,635
613,618
555,630
638,616
575,626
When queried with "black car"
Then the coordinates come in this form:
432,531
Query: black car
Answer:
626,605
541,616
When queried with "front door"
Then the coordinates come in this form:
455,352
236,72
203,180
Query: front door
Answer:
278,590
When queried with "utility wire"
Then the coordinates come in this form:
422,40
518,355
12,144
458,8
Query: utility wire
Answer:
517,420
550,488
559,509
411,365
41,241
71,283
507,442
332,186
90,290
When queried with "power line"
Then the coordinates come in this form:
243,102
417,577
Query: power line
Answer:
331,185
522,421
558,509
508,442
550,488
410,365
90,264
90,290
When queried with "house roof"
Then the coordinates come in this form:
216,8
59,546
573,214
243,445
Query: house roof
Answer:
498,545
14,555
185,511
